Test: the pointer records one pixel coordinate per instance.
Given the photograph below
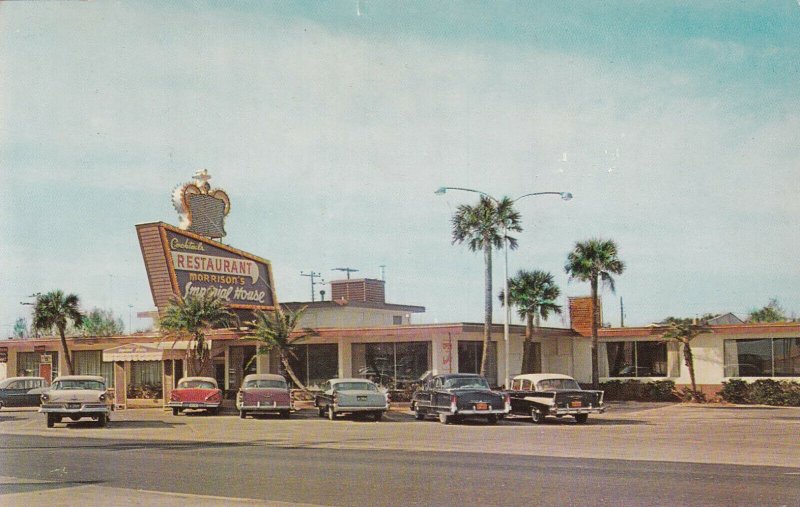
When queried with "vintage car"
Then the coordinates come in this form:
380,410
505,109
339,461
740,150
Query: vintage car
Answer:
22,391
195,393
454,396
541,394
76,397
351,396
264,393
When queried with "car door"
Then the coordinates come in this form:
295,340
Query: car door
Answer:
15,394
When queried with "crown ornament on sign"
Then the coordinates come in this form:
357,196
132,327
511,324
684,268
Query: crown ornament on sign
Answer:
201,209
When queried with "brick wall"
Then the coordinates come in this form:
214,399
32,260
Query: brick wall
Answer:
580,314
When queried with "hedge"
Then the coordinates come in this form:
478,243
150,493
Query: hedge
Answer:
761,392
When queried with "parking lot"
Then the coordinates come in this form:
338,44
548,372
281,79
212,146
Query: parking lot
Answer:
633,431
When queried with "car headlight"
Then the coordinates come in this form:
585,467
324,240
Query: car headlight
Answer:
45,397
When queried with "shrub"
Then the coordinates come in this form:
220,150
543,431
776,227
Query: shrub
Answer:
792,393
767,392
735,391
660,390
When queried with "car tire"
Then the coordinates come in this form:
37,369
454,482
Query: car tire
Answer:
174,411
331,413
418,414
242,414
537,416
51,420
285,414
492,419
581,418
213,411
101,420
377,415
444,418
321,411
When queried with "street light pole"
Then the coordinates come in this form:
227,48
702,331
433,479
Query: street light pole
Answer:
566,196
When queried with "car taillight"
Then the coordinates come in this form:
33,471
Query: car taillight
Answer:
173,396
453,404
508,401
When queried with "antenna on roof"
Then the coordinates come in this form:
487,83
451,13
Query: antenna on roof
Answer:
383,272
313,275
348,270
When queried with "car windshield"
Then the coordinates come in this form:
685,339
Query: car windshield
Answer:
265,384
466,383
196,384
557,384
355,386
72,385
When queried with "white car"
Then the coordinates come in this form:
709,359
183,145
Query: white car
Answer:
76,397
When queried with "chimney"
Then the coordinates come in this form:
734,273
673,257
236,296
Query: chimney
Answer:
364,290
580,314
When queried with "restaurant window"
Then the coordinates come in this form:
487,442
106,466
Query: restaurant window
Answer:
392,365
90,362
635,359
762,357
28,363
312,363
469,359
145,380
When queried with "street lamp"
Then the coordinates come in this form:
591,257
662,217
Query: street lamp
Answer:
566,196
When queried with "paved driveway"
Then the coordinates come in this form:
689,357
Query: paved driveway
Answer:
631,431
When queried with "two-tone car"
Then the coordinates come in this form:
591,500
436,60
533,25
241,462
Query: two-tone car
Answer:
76,397
264,393
452,397
195,393
539,395
22,391
351,396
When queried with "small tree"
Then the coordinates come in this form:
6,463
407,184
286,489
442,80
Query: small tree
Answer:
55,310
275,330
534,294
190,319
684,331
101,323
773,312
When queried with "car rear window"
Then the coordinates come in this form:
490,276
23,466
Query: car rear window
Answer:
355,386
266,384
466,383
557,384
196,384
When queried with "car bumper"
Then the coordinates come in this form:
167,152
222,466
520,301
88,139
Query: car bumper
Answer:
339,409
576,411
481,412
74,411
264,407
186,404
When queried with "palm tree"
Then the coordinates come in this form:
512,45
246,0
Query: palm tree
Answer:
534,294
593,261
191,318
54,309
483,227
684,331
275,330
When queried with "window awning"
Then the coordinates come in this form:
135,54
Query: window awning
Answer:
147,351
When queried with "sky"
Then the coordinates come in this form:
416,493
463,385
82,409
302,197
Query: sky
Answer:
675,125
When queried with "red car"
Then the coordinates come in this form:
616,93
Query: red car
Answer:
264,393
196,393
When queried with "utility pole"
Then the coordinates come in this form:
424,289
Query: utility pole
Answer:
313,275
348,270
621,313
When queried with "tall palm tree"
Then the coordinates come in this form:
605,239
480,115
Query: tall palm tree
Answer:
275,330
593,261
534,293
483,227
54,309
191,318
684,331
